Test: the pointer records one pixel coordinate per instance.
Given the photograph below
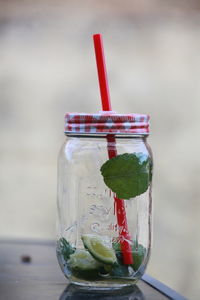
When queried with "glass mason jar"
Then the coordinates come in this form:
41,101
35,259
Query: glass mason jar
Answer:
104,200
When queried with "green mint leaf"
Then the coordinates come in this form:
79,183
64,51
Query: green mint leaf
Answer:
138,253
128,175
65,248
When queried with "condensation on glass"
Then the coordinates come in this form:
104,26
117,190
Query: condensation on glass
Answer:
88,233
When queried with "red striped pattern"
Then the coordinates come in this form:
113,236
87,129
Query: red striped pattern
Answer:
106,122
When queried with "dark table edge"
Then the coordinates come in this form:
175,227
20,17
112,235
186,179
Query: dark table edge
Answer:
161,287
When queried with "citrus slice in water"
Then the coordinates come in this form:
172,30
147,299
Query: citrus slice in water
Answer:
83,265
83,260
99,249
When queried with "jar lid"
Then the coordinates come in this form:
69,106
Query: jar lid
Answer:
107,122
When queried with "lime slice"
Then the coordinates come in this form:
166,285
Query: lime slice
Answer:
83,265
83,260
99,249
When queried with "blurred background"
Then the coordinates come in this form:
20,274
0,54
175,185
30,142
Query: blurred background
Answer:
47,67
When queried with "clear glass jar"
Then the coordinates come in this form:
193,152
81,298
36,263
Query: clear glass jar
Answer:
103,242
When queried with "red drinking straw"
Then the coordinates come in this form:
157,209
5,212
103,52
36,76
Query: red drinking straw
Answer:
124,236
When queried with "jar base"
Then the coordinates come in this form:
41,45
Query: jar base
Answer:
78,292
104,287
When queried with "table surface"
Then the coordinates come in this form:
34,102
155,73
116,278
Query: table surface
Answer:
41,278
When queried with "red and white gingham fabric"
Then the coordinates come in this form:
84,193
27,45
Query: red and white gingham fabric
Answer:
106,122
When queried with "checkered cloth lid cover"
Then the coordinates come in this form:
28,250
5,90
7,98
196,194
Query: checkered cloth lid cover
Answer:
107,122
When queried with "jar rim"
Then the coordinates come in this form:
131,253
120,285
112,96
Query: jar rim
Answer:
105,135
107,123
